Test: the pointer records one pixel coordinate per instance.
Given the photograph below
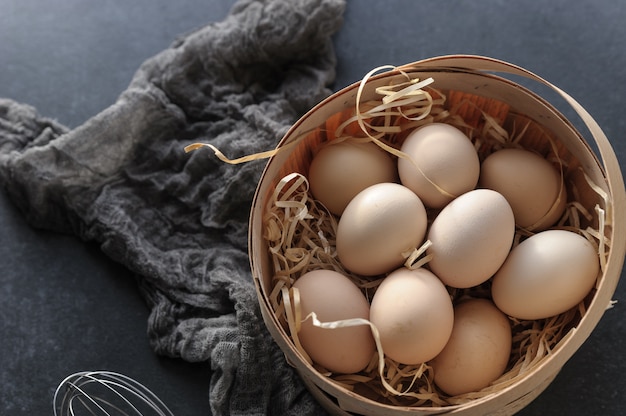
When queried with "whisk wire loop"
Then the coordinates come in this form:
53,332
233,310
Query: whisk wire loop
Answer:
117,392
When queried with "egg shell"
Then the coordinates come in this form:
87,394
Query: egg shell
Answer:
339,171
441,158
545,275
413,313
380,224
531,184
478,350
471,237
333,297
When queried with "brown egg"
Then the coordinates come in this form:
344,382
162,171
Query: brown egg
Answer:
478,350
334,297
340,171
379,227
546,275
531,185
471,238
443,164
413,313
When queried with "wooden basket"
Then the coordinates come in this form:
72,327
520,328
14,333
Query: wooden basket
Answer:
465,76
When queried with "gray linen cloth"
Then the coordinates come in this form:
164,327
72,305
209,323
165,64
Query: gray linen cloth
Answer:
177,220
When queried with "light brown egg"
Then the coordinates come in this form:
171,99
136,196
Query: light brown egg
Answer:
471,237
545,275
442,158
413,313
532,186
379,227
334,297
340,171
478,350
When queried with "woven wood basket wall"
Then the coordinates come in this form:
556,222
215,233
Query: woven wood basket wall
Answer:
461,77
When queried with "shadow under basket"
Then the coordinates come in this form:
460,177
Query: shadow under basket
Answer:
472,79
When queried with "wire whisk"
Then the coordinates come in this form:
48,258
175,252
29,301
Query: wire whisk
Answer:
105,393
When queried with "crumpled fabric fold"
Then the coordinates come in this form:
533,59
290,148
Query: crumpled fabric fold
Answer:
177,220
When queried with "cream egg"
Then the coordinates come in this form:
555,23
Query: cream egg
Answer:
413,314
478,350
339,171
379,228
442,164
532,186
545,275
334,297
471,237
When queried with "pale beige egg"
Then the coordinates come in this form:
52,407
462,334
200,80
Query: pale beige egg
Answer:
413,313
334,297
546,275
471,237
340,171
379,228
442,164
478,350
532,186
